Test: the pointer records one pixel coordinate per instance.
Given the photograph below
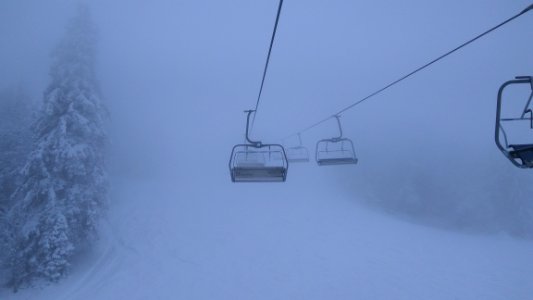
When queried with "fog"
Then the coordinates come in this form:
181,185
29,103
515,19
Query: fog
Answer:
176,77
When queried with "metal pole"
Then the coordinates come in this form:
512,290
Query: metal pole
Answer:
254,143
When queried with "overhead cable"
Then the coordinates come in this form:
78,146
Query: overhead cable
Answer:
530,7
266,63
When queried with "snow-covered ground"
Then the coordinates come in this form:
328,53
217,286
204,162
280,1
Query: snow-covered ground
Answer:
169,239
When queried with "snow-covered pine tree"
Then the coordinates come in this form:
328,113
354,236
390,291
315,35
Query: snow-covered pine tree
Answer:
64,188
15,144
15,138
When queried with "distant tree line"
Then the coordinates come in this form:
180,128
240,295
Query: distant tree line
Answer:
473,196
53,183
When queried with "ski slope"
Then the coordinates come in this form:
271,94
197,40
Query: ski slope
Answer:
164,239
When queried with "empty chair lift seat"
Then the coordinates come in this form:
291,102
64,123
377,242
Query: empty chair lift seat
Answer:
265,164
335,152
298,154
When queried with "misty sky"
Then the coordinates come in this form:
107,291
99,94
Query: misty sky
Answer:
177,75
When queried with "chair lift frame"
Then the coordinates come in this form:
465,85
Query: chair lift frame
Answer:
352,159
300,147
520,155
258,173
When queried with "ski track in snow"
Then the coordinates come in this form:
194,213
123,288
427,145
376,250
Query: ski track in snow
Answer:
168,241
103,268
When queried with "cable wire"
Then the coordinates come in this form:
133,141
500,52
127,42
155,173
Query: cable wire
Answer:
266,63
530,7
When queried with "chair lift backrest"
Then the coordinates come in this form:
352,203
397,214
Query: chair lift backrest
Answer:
247,157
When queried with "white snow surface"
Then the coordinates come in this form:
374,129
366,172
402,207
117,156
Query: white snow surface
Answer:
165,239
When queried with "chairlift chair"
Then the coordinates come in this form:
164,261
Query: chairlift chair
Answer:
520,155
258,162
335,151
298,153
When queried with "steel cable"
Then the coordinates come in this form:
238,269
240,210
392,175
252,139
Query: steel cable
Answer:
530,7
267,62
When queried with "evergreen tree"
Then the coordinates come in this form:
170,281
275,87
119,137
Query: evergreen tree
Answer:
15,138
15,144
5,242
64,181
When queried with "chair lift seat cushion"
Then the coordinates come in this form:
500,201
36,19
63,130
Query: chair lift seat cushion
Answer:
524,152
337,161
259,173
